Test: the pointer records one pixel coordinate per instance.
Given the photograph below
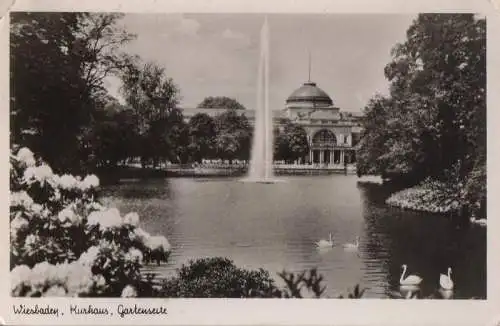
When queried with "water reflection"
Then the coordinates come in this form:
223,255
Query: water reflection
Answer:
276,227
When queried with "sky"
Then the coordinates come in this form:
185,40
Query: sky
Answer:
218,54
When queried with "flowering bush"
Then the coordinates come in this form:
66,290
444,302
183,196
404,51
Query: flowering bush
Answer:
450,194
65,243
429,196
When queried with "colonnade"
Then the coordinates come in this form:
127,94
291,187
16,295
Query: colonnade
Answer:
331,156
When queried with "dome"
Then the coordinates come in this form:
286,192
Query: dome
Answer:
310,93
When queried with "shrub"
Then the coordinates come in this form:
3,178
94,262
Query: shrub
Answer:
309,280
65,243
450,194
219,278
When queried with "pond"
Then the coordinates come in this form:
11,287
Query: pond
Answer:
276,227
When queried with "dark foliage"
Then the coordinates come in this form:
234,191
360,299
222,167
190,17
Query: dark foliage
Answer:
58,65
219,278
234,136
290,143
435,116
221,102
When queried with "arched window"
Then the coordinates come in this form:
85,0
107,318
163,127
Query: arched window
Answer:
324,138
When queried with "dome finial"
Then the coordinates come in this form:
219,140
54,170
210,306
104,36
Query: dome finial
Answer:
309,79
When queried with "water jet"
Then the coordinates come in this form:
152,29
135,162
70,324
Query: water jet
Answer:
261,161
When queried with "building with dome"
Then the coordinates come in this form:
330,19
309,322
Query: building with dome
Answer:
332,134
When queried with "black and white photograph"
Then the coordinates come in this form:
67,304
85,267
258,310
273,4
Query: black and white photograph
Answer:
248,155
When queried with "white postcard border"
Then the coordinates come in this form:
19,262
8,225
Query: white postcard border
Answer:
268,311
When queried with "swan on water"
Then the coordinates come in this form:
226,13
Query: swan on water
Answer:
410,293
481,221
445,280
354,245
446,294
325,243
410,280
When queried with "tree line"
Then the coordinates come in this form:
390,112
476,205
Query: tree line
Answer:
117,137
61,109
433,122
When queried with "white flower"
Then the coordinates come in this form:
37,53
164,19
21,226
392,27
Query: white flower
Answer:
55,291
96,206
99,280
61,272
17,224
54,180
67,214
19,275
43,172
20,198
38,173
142,235
111,219
36,208
89,257
29,174
79,279
26,156
31,240
42,273
67,181
129,292
158,242
131,218
134,255
105,219
94,218
91,181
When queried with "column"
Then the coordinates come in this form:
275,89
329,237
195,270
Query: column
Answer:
342,157
310,156
321,157
331,157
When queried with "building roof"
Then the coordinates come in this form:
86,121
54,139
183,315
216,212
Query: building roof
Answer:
310,93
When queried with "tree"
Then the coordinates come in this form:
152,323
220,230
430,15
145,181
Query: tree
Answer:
435,115
154,97
100,38
58,65
114,137
221,102
433,124
374,137
178,137
202,135
234,135
291,143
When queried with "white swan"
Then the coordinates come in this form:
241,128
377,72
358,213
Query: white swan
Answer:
446,294
405,293
445,280
410,280
481,221
352,246
325,243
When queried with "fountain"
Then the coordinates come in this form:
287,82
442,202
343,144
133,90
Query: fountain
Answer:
261,162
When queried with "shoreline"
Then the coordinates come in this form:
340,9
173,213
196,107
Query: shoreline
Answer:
111,175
